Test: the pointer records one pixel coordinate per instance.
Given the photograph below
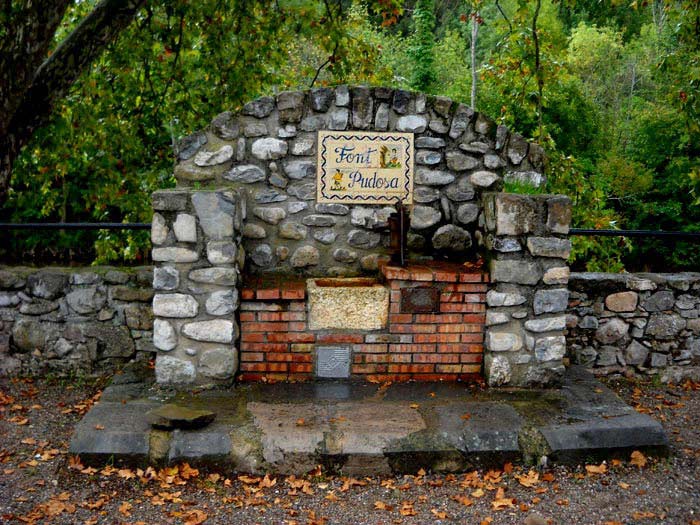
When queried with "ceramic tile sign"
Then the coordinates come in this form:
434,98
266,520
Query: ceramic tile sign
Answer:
366,168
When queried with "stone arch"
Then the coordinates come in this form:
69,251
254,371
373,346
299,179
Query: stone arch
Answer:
267,151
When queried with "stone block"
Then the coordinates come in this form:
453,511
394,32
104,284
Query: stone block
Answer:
219,276
305,256
622,302
550,348
245,173
546,325
659,301
175,305
498,370
612,330
205,158
174,254
169,200
411,124
494,298
503,341
556,275
47,285
430,177
222,302
510,214
549,247
218,363
212,331
665,326
164,335
221,252
558,214
348,304
185,228
515,271
550,301
636,354
174,371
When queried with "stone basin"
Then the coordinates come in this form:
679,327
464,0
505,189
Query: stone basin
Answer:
348,303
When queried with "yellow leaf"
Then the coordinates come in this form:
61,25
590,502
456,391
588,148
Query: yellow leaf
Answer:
195,517
500,502
597,469
380,505
478,493
439,514
529,480
624,485
414,405
463,500
301,422
124,508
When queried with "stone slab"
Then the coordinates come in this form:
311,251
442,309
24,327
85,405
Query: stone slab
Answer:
363,429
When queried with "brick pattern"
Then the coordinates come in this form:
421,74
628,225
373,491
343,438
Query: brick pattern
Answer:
444,345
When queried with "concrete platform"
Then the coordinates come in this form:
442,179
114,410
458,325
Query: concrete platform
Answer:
361,428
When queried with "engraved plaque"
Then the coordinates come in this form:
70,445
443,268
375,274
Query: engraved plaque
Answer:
420,300
367,168
333,362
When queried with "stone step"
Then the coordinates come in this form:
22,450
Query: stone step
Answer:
367,429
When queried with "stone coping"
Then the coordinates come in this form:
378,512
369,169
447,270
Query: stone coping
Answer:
436,271
674,279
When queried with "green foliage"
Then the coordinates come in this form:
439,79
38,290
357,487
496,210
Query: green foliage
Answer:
421,52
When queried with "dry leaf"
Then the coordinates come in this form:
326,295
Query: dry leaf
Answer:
500,502
597,469
624,485
439,514
414,405
528,480
508,468
407,509
380,505
125,508
478,493
466,417
463,500
99,427
638,459
195,517
643,515
301,422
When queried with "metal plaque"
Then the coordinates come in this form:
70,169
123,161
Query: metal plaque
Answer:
366,168
420,300
333,362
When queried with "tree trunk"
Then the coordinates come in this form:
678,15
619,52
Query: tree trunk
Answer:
51,80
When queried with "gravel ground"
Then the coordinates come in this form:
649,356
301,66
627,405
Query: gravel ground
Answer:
40,483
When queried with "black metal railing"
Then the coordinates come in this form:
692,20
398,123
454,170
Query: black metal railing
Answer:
637,233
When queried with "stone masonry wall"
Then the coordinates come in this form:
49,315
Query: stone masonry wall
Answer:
526,236
268,152
74,320
636,323
197,255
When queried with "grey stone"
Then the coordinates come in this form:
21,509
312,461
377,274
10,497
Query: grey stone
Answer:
495,318
425,194
212,331
253,231
188,146
424,217
37,306
321,99
338,119
222,302
362,107
9,299
159,229
483,179
173,371
86,300
342,96
550,348
475,147
282,252
303,146
483,125
658,360
612,330
292,230
218,363
214,158
305,191
270,215
299,169
428,157
371,217
460,191
84,278
363,239
171,416
529,178
174,254
550,301
164,335
175,305
255,129
467,213
215,214
636,354
515,271
549,247
503,341
401,101
433,177
494,298
517,148
411,124
305,256
319,220
460,120
659,301
259,108
344,255
290,105
381,119
333,209
245,173
429,142
503,244
132,294
225,126
185,228
270,195
546,325
47,285
589,322
498,370
221,252
493,162
556,275
641,285
262,255
511,214
215,275
607,356
169,200
296,207
269,148
325,236
686,302
558,214
452,238
665,326
313,123
460,162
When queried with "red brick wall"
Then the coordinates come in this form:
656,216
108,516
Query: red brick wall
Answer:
445,344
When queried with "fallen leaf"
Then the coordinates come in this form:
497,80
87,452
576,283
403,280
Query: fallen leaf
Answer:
407,509
463,500
125,508
500,502
597,469
195,517
438,514
380,505
638,459
99,427
642,515
301,422
508,468
466,417
528,480
624,485
414,405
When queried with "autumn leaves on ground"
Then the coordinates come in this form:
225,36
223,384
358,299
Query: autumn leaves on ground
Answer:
41,483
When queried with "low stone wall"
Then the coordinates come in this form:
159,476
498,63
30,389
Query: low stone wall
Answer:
67,320
635,323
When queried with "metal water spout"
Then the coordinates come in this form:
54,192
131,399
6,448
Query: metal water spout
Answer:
399,223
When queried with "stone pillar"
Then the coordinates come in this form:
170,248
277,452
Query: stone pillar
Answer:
528,248
197,256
